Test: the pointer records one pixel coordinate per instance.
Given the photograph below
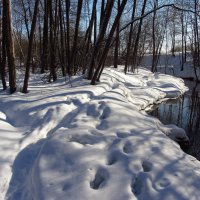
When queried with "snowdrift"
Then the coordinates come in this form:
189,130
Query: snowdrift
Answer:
95,142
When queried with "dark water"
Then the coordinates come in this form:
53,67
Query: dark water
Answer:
185,113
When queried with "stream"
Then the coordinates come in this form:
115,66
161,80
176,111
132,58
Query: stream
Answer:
185,113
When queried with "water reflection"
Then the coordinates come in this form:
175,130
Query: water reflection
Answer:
185,113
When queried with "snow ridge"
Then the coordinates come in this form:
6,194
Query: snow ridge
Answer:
97,142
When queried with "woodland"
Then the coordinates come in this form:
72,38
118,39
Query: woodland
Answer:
69,37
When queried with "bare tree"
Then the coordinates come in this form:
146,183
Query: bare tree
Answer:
116,54
130,37
3,52
7,27
73,51
28,62
102,31
44,57
100,66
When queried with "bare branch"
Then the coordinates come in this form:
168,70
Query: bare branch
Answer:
157,8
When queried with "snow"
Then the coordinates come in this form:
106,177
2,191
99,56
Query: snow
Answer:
169,64
78,141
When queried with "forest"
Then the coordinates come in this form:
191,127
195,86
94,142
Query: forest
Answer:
64,38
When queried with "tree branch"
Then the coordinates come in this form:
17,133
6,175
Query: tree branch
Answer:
157,8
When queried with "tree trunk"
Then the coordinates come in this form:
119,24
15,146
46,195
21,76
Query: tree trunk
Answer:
3,53
44,58
153,66
68,37
116,55
129,39
73,53
98,71
102,12
62,40
9,44
25,18
29,56
88,36
52,44
135,50
100,37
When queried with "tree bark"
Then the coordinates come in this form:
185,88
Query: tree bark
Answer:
68,37
74,46
130,36
62,40
153,66
98,70
52,44
135,50
3,52
100,37
116,54
9,44
29,56
45,52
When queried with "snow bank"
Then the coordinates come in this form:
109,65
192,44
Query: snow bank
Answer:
169,64
96,142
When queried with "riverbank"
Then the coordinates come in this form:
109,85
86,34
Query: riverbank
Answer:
185,113
171,65
94,142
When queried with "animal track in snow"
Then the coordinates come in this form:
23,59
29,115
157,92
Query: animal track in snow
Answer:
92,111
112,159
137,184
66,186
84,139
164,182
103,125
128,147
100,179
147,166
106,113
122,134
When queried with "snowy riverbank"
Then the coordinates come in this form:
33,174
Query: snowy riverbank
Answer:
169,64
94,142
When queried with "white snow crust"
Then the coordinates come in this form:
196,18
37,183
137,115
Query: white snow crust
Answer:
81,142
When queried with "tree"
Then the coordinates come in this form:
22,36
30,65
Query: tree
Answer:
116,54
44,57
102,31
28,62
7,28
130,38
73,54
52,40
135,49
100,65
3,52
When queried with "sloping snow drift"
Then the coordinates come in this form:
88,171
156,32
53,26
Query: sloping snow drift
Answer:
95,142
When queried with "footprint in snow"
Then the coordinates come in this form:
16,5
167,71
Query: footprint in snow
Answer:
122,134
103,125
112,159
147,166
92,111
66,186
164,182
137,184
128,148
106,113
100,179
140,183
84,139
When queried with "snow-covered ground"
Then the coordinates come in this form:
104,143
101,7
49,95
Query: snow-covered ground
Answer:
169,64
81,142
